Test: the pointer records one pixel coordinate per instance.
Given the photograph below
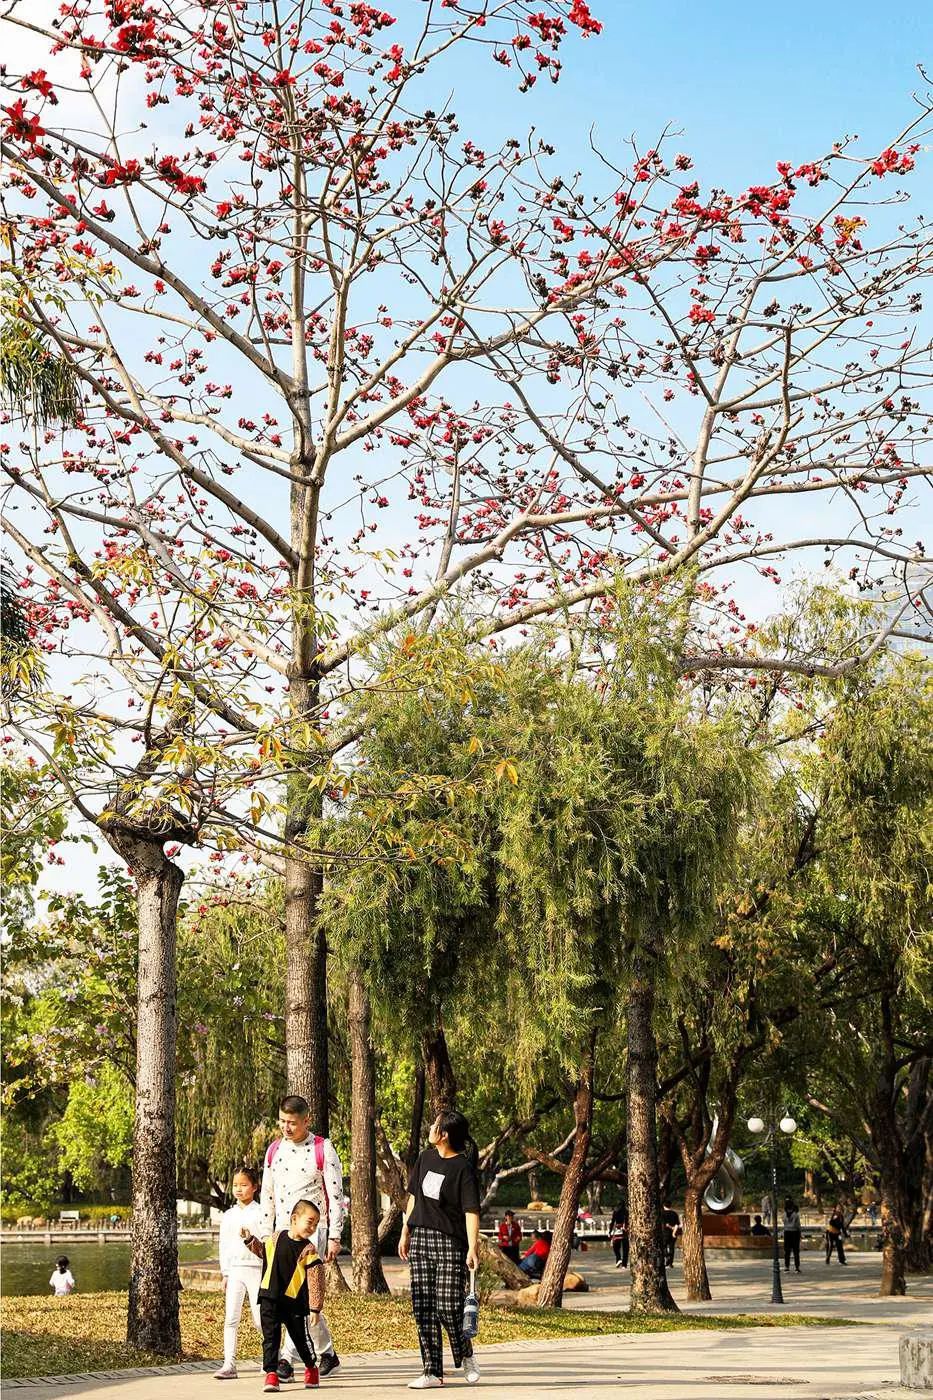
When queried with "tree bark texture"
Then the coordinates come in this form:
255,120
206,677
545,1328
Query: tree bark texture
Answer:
508,1274
152,1319
551,1290
650,1292
696,1277
901,1136
306,1053
364,1204
442,1085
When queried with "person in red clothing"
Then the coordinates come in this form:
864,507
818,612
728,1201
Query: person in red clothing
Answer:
509,1236
534,1259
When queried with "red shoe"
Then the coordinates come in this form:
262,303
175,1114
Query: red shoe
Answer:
312,1378
272,1381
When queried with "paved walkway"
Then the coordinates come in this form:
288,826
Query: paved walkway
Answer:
798,1364
794,1363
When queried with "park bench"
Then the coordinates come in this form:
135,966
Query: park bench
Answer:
70,1217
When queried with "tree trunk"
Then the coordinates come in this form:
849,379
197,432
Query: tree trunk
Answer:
667,1153
364,1206
694,1257
306,1054
918,1167
551,1291
650,1292
416,1122
439,1071
898,1146
152,1318
508,1273
894,1255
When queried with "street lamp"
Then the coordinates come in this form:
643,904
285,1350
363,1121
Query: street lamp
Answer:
769,1131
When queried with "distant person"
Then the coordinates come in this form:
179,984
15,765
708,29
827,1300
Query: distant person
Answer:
873,1213
62,1281
440,1238
509,1236
291,1291
618,1234
240,1269
534,1259
766,1209
670,1222
758,1228
791,1235
300,1165
835,1233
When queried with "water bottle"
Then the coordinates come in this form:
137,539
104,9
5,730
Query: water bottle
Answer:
471,1309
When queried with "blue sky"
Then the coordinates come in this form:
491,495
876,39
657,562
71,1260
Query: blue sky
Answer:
747,84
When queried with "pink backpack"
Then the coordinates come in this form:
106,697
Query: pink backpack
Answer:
318,1162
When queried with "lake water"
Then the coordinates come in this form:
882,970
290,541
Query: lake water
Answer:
98,1268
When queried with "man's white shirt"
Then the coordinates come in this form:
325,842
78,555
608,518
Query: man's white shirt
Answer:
294,1176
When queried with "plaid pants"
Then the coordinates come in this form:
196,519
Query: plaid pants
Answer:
438,1288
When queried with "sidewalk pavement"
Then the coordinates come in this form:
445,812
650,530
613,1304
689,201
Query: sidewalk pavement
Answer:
858,1363
795,1363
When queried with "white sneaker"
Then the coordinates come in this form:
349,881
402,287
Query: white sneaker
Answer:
470,1370
426,1382
226,1373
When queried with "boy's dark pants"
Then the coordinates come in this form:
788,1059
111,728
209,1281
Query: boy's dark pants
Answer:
273,1317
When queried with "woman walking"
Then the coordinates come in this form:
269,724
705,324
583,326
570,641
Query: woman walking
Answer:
440,1238
836,1232
791,1234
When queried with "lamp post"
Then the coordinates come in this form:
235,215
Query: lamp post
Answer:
768,1131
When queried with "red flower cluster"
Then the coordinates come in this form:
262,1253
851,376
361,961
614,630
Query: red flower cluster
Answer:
137,39
117,174
22,125
891,162
39,82
581,17
173,175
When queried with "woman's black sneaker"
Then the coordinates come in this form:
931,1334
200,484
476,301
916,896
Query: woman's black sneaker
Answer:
286,1371
328,1363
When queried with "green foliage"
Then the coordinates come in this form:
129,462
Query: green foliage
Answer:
36,383
96,1129
21,665
516,840
876,780
69,1028
31,1169
231,978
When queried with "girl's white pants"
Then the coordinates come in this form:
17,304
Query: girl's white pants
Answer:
242,1282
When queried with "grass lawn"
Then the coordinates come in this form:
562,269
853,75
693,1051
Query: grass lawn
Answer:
49,1336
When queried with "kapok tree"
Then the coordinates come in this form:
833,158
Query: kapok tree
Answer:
324,286
270,291
193,622
296,228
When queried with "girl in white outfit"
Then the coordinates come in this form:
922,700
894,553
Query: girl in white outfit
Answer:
242,1271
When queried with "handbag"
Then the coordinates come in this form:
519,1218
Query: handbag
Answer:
471,1309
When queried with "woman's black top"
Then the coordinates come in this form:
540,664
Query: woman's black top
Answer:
444,1188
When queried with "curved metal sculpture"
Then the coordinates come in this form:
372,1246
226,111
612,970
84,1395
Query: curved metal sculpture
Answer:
724,1192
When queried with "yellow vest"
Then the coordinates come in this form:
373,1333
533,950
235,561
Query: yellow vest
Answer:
297,1280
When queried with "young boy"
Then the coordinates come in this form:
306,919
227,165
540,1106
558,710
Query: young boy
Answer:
301,1166
291,1292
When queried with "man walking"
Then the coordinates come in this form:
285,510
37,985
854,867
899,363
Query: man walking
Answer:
300,1165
